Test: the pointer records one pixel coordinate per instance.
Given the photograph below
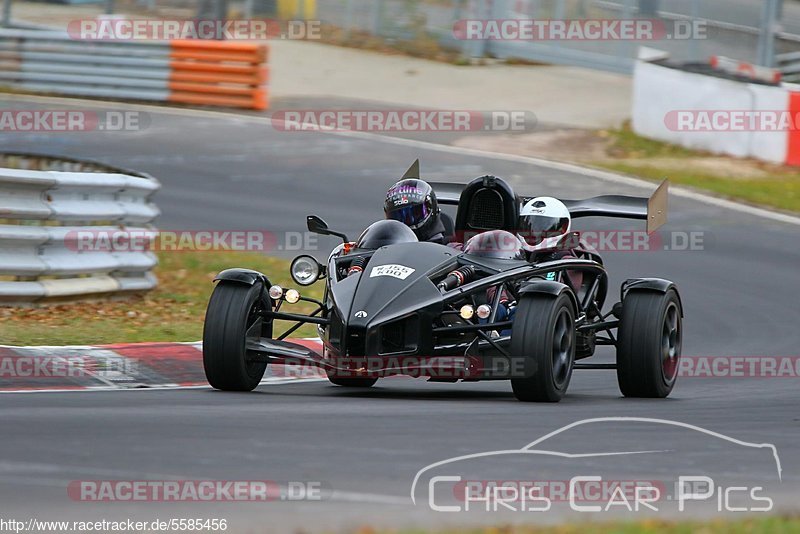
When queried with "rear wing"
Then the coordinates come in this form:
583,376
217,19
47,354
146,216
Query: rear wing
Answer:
652,209
447,193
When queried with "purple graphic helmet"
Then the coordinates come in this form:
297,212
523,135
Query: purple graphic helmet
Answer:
413,203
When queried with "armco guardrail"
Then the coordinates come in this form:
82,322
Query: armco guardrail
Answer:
42,213
201,72
789,65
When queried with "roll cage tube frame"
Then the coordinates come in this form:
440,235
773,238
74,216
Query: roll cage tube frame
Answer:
499,281
525,272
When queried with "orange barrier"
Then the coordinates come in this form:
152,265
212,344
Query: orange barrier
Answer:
218,73
198,72
793,150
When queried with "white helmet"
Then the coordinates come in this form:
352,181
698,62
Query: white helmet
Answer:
543,221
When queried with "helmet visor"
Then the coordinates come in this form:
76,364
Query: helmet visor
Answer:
412,215
536,228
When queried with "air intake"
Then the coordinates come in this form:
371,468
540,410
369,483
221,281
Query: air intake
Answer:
486,210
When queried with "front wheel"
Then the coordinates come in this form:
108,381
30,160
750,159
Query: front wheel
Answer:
649,343
543,341
233,317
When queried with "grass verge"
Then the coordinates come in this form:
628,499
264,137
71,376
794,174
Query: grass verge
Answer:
172,312
746,180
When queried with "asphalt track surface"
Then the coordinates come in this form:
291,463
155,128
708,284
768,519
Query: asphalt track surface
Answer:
226,172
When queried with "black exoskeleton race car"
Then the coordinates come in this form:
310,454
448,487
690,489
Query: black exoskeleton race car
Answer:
485,311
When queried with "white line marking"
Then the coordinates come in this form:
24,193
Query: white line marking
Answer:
14,468
371,498
426,145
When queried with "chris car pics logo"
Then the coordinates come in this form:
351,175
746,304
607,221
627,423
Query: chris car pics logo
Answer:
603,484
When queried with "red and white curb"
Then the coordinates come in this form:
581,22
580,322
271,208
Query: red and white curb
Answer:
123,366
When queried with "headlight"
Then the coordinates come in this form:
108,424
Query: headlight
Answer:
483,311
466,311
305,270
276,292
292,296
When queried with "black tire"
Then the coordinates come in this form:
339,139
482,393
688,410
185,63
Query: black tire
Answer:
649,343
543,340
232,311
351,382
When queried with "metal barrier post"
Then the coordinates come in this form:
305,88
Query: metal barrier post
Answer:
377,17
581,12
766,39
6,13
559,13
648,8
694,48
348,15
498,10
626,47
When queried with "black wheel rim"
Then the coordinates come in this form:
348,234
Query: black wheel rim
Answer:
253,335
671,342
562,348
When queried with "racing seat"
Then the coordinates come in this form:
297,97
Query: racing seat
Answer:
449,226
486,203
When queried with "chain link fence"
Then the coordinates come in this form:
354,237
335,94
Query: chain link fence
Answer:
748,30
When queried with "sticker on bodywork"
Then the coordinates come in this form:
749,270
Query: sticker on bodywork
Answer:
400,272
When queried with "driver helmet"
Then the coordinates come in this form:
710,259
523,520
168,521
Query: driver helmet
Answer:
543,222
413,203
382,233
497,244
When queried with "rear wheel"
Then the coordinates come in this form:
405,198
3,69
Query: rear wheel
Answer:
233,317
543,340
649,343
